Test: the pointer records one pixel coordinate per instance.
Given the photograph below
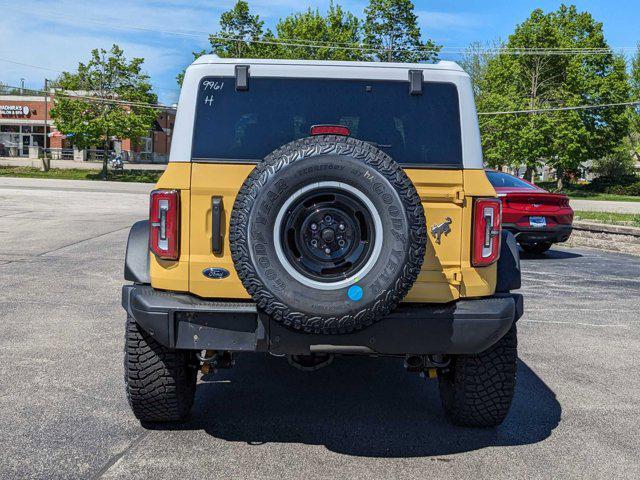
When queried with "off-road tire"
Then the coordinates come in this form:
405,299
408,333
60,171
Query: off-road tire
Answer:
160,382
536,248
278,297
476,390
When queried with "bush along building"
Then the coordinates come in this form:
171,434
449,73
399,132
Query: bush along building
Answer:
23,133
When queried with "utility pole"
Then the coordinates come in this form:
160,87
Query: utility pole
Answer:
46,164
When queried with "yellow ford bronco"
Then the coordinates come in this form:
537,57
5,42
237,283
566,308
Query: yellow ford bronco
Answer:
312,209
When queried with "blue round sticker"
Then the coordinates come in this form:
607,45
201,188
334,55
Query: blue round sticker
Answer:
355,293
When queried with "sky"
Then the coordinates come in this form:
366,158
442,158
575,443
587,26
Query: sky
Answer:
40,38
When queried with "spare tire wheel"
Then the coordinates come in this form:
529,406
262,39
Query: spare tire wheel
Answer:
327,234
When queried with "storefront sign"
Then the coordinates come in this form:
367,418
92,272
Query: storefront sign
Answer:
15,110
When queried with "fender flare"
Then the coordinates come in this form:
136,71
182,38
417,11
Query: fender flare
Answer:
136,262
509,277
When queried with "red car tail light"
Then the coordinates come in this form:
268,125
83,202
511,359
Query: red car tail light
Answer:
487,224
330,130
164,219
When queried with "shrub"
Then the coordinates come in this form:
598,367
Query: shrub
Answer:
632,189
604,183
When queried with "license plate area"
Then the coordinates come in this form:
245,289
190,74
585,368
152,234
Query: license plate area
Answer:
538,222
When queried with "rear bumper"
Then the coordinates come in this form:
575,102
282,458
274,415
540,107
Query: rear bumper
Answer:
555,234
187,322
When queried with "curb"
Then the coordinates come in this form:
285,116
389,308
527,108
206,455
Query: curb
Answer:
606,228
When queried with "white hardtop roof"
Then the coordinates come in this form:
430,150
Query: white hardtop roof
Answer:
441,65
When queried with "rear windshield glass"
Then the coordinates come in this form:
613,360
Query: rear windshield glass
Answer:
499,179
248,125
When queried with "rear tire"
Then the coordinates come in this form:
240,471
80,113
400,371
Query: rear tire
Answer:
160,382
536,248
476,390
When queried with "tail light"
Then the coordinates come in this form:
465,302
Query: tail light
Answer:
330,130
487,220
164,219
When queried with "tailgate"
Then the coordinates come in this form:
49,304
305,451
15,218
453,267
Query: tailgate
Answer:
440,191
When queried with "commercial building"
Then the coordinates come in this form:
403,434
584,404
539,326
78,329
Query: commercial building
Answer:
23,134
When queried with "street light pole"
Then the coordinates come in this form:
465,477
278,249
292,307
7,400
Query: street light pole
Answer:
45,161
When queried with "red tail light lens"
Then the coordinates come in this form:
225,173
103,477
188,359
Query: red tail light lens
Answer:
487,224
164,219
330,130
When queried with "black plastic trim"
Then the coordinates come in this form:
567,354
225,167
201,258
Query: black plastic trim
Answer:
554,234
184,321
416,79
509,275
136,262
217,209
242,77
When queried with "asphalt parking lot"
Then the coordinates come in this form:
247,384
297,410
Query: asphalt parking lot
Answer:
63,411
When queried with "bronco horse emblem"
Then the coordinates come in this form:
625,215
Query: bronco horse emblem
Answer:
442,228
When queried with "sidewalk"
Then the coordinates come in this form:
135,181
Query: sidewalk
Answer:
68,164
10,183
605,206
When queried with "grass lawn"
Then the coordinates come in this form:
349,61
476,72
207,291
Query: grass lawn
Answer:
580,192
144,176
630,219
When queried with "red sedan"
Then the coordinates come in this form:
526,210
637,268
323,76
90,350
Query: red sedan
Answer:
536,217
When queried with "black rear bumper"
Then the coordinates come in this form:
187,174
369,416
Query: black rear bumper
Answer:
556,234
187,322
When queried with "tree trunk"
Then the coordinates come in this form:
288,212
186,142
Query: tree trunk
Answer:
105,159
528,174
560,175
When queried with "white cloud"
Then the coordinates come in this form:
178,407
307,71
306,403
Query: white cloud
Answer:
451,21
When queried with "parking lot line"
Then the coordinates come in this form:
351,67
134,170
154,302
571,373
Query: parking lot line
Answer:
574,323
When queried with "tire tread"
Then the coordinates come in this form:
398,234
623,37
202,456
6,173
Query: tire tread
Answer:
159,381
478,389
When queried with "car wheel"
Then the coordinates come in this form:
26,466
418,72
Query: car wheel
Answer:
160,382
327,234
476,390
536,248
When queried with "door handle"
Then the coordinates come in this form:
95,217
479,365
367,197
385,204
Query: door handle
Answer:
216,224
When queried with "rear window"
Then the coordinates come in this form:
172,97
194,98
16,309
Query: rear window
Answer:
247,125
499,179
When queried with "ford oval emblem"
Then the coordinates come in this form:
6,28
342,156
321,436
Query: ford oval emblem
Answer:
215,273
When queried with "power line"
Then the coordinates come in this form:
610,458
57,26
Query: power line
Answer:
30,65
353,46
94,99
561,109
41,67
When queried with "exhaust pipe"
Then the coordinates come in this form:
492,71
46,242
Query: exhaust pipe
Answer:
414,363
309,363
422,363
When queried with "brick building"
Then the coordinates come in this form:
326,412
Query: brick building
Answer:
22,130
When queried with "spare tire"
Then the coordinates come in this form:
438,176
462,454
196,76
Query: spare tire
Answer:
327,234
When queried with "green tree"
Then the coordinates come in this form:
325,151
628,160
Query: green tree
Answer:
475,61
111,93
634,80
392,31
239,31
307,35
338,28
518,79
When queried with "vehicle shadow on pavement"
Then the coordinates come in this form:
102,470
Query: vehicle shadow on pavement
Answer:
356,406
549,255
